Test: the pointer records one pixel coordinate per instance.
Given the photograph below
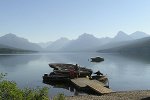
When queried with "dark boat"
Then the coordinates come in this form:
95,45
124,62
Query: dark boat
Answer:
55,78
97,59
100,77
64,72
70,69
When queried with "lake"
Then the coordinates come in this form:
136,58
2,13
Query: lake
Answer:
125,72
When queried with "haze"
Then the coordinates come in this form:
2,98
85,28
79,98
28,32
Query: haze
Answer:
48,20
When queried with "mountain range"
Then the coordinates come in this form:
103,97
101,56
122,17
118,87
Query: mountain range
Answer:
137,46
85,42
88,42
12,41
137,42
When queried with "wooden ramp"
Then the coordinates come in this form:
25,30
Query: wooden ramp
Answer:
95,85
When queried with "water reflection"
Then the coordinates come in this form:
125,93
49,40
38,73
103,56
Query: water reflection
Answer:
70,87
12,61
125,72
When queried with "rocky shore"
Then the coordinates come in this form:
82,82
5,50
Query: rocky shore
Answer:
124,95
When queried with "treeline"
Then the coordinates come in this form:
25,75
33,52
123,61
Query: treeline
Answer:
11,51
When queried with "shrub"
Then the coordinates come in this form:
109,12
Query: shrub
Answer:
10,91
59,97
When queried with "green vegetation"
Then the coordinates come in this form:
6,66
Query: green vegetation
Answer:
10,91
59,97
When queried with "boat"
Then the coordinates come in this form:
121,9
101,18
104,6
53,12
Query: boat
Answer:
97,59
47,78
68,69
100,77
64,72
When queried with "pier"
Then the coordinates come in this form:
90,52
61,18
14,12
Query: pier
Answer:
94,85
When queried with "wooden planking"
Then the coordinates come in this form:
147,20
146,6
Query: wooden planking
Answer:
79,82
93,84
98,87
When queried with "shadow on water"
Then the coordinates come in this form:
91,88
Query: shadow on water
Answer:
71,87
66,75
143,57
126,71
81,58
15,60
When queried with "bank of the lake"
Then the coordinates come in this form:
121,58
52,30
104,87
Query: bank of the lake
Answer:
122,95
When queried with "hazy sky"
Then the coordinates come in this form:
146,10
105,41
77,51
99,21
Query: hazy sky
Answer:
48,20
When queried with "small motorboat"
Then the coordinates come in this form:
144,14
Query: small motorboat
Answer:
97,59
100,77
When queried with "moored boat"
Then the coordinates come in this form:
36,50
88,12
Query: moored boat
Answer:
97,59
71,70
64,72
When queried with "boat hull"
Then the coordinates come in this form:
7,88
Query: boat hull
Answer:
97,59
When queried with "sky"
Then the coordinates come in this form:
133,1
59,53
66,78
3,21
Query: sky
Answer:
48,20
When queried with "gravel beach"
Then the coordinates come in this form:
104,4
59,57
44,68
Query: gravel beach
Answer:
123,95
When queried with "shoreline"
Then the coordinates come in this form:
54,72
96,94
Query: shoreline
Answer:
119,95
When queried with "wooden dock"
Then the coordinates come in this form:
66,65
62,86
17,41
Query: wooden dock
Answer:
95,85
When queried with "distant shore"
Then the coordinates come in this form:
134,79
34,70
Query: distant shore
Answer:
121,95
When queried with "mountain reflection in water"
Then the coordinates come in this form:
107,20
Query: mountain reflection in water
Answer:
125,72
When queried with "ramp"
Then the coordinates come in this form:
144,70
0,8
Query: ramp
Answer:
95,85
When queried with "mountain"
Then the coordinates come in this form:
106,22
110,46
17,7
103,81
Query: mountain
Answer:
45,45
85,42
14,51
17,42
4,46
136,46
58,44
121,36
88,42
7,49
138,35
122,39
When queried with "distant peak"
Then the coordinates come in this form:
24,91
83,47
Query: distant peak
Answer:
63,38
121,33
122,36
139,34
86,35
10,35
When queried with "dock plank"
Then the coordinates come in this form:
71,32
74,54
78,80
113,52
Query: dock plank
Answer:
93,84
79,82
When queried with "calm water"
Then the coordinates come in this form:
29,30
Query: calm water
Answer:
124,72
